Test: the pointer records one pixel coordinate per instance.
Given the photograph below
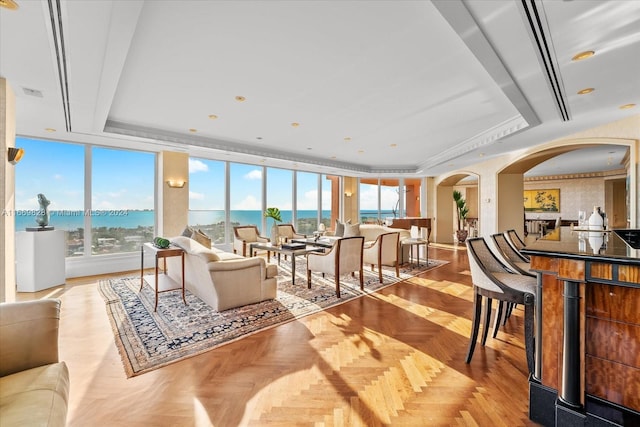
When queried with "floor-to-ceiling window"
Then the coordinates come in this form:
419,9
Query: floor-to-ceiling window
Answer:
330,185
307,202
245,193
368,201
55,170
115,215
122,200
391,200
279,194
207,186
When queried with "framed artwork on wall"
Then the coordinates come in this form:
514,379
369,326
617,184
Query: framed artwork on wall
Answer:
543,200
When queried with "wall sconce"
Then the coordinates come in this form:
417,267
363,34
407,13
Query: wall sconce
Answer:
14,154
176,183
347,193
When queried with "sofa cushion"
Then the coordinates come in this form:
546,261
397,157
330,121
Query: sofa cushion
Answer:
191,246
200,237
37,396
351,230
225,256
187,232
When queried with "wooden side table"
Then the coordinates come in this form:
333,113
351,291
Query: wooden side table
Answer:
164,283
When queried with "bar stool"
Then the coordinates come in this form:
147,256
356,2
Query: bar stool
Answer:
494,280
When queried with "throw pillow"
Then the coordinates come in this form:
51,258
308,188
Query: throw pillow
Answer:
187,232
340,226
351,230
200,237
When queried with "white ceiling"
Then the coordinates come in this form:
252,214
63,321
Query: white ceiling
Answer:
419,87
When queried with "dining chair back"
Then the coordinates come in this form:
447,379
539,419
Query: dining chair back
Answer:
494,280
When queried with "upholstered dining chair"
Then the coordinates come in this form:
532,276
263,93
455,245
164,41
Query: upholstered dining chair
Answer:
289,232
383,251
344,257
516,242
244,236
494,280
516,262
514,259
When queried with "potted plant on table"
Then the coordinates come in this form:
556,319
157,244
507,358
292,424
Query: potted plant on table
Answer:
462,212
274,213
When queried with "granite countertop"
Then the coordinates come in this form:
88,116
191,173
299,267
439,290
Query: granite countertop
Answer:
565,242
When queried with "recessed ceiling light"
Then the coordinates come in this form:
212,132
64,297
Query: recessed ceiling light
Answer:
192,130
295,124
393,145
585,91
213,116
240,98
347,138
583,55
48,129
9,4
627,106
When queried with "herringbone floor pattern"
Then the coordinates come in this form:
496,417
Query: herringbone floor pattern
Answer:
394,358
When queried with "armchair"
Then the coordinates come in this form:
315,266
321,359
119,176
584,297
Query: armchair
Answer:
34,385
289,232
383,251
243,236
344,257
493,280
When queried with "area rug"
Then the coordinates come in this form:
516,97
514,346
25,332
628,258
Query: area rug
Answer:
148,340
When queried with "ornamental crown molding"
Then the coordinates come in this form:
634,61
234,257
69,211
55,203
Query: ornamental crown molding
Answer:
602,174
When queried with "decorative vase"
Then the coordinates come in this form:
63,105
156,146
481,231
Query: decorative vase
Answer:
274,233
595,220
462,235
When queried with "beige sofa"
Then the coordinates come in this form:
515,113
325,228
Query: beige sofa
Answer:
34,385
370,232
222,279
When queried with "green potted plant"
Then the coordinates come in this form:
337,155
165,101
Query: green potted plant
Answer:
462,212
274,213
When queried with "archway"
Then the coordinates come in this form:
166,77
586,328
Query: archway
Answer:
511,185
444,224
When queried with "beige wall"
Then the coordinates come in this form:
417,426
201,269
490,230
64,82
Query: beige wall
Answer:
509,217
350,202
174,202
7,194
580,194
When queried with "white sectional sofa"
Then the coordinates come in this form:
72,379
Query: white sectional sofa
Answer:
222,279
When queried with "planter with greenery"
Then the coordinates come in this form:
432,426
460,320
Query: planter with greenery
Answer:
462,212
274,213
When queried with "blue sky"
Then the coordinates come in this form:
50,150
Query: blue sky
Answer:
121,179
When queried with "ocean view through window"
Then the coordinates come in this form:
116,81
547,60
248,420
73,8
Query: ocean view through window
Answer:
120,213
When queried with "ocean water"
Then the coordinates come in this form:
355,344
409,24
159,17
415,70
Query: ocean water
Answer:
73,220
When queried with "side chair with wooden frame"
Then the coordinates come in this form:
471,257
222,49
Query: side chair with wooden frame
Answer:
244,236
344,257
383,251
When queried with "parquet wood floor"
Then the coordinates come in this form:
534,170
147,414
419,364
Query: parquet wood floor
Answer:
394,358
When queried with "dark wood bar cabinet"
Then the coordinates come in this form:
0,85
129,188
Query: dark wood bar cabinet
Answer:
587,365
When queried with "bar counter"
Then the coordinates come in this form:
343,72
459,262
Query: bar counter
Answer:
587,364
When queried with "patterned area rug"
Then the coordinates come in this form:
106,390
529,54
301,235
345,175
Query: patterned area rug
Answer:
148,340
